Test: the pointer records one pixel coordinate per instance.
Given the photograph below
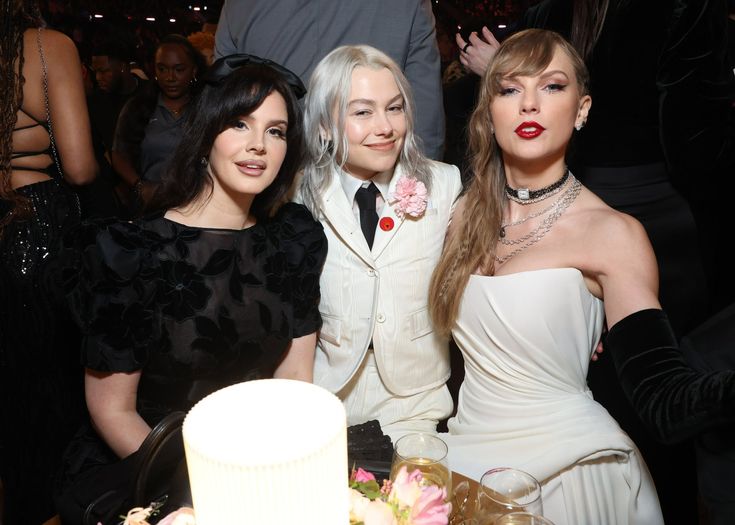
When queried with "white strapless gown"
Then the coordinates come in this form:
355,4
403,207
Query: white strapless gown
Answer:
527,339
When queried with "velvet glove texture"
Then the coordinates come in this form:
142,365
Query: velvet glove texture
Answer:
674,401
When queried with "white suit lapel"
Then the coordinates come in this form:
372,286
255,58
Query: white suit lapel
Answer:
383,237
337,211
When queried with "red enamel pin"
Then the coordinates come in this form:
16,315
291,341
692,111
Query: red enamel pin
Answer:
386,224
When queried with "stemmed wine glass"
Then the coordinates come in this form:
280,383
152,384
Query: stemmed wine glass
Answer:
506,490
427,453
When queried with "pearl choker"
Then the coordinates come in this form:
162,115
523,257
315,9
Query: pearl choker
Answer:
526,196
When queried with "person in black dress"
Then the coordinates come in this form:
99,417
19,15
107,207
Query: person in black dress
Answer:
41,401
218,287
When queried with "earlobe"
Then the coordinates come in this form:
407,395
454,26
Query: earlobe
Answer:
584,108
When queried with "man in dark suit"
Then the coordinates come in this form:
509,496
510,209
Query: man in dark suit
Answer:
115,84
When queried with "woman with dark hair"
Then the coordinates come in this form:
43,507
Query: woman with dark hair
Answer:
45,143
151,124
219,286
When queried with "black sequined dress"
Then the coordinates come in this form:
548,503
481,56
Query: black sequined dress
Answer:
41,398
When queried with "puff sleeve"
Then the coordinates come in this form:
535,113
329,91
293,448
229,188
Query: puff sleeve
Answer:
109,287
304,246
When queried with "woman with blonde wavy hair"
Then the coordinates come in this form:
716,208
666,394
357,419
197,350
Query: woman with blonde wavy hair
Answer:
385,208
531,254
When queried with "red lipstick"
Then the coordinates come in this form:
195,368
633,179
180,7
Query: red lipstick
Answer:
529,130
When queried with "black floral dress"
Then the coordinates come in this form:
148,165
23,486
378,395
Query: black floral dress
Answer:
194,309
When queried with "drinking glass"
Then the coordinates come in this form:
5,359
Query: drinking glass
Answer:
522,518
506,490
427,453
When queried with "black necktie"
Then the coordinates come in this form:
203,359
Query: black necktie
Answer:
365,198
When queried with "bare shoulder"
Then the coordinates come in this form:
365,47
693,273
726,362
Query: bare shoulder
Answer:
56,46
613,227
617,256
604,227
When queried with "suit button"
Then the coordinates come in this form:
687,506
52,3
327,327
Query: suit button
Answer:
371,272
380,318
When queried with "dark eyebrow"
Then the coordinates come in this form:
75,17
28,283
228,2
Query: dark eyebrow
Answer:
370,102
555,72
276,122
543,75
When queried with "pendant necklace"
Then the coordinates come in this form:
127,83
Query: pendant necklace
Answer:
528,217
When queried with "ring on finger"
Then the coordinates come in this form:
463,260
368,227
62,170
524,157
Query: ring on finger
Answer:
464,49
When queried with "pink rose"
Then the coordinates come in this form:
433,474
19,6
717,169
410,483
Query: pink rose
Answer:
363,476
430,508
406,489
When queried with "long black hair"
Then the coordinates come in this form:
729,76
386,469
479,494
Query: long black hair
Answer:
218,106
15,17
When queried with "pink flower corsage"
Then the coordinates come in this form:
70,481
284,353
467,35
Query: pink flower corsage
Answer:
410,197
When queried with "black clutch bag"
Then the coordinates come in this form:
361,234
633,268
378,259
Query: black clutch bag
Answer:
154,475
368,448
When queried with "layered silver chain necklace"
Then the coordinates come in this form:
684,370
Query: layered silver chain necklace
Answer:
555,210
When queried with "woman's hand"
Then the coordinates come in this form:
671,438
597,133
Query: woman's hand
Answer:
597,352
477,54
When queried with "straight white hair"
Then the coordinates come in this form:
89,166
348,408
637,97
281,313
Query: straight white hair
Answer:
325,108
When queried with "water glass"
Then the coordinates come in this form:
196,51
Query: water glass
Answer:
427,453
506,490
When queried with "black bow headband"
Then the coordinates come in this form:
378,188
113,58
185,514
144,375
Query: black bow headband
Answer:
222,67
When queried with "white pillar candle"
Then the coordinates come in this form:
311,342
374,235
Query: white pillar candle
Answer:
265,452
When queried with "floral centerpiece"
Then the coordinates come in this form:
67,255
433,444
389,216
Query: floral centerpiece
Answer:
401,502
140,515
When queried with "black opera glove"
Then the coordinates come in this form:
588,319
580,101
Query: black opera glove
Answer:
674,401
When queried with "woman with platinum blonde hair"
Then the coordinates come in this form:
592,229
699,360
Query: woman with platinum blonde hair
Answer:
385,208
329,93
